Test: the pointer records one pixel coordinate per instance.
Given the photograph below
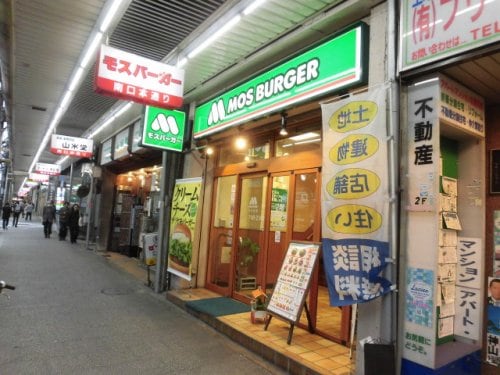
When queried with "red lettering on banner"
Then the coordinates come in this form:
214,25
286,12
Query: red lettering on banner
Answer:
486,30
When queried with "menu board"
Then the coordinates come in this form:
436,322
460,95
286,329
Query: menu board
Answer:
293,282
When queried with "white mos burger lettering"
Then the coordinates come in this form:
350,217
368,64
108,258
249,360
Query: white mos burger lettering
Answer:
270,88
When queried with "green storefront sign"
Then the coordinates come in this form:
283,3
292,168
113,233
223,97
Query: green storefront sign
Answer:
163,128
335,64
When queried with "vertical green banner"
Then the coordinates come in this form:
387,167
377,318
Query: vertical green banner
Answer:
183,216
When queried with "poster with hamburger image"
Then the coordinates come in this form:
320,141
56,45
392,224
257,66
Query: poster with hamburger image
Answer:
183,217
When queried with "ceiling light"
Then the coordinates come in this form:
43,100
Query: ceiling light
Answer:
283,130
182,62
233,21
76,79
240,143
304,136
249,9
65,100
308,141
91,50
110,15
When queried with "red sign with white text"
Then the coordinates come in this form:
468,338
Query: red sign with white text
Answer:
48,169
71,146
131,77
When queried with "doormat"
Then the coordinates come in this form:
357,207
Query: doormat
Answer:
218,306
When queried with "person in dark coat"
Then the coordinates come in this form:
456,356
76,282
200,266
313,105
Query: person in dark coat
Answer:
48,217
64,212
6,211
73,223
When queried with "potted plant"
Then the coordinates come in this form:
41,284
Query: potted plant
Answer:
258,306
248,250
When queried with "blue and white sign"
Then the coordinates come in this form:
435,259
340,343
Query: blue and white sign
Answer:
353,270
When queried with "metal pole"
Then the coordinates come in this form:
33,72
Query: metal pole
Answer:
70,182
161,254
88,212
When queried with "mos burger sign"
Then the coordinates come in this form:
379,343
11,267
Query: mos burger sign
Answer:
131,77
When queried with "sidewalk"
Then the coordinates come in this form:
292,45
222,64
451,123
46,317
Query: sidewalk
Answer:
307,354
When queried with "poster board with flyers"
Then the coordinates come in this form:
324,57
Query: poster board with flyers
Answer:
294,280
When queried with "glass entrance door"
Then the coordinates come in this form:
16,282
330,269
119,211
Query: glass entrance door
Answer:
249,238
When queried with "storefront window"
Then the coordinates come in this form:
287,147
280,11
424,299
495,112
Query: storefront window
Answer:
310,141
229,155
222,239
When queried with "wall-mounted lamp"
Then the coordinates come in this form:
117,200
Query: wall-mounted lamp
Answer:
283,130
240,143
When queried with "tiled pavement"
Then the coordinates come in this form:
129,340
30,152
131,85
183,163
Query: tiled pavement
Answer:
307,354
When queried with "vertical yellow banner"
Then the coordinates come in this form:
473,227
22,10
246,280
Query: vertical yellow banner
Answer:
183,216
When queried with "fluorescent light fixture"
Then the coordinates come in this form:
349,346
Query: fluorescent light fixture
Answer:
62,160
233,21
182,62
304,136
66,99
91,50
76,79
110,15
123,109
249,9
308,141
426,81
101,127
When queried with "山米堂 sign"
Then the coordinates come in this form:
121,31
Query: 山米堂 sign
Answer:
71,146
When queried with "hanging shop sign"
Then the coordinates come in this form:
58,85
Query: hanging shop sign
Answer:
38,177
335,64
460,107
106,149
71,146
163,129
48,169
121,144
435,30
185,200
131,77
355,198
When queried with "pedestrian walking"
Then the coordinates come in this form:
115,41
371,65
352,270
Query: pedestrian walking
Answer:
29,210
64,212
73,223
22,204
48,217
6,211
17,213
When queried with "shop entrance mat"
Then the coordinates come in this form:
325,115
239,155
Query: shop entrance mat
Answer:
218,306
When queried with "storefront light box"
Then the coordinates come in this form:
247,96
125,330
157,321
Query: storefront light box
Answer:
338,63
163,129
